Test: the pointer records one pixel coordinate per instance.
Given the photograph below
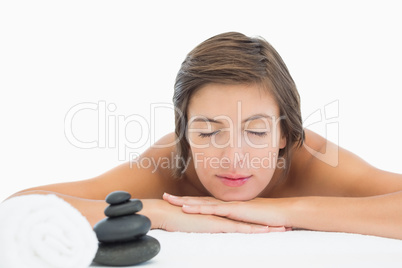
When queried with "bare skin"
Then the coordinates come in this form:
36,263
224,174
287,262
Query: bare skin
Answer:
350,197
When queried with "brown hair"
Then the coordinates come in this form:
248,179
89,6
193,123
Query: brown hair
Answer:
233,58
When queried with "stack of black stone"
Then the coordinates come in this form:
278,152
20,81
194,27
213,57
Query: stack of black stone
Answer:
122,235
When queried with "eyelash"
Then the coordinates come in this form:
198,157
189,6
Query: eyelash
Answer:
259,134
205,135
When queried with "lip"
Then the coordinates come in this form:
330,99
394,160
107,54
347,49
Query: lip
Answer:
233,176
234,180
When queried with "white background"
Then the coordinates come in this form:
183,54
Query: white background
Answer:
54,55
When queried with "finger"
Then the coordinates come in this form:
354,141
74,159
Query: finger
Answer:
232,211
248,229
174,200
229,226
226,211
239,227
277,228
218,210
189,200
195,199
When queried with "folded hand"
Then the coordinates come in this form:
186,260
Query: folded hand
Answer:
259,211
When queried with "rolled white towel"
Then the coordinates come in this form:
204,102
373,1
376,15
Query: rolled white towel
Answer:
44,231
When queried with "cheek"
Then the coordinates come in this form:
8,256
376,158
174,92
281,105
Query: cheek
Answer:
263,162
205,161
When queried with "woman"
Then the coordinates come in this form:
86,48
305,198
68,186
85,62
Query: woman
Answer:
242,160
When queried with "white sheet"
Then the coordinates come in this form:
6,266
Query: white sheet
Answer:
289,249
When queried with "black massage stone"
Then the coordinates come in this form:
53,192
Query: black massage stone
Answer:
122,234
117,197
127,208
120,229
128,253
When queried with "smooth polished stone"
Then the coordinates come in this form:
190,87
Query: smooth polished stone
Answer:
117,197
127,253
120,229
127,208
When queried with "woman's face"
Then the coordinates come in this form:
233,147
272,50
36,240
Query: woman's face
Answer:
234,136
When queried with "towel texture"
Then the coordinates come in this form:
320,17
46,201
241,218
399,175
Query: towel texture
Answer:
44,231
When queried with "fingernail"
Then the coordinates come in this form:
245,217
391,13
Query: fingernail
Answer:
185,206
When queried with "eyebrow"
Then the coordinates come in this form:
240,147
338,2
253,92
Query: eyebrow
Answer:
257,116
253,117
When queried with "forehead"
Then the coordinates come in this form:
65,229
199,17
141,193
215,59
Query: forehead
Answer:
222,99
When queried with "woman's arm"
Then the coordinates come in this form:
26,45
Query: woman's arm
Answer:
148,184
351,196
377,215
359,197
93,210
166,216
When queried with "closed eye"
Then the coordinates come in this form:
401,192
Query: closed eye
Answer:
257,133
205,135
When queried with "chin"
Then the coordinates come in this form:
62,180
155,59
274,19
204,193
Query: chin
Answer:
227,197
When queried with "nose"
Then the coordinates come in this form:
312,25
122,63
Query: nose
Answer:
235,151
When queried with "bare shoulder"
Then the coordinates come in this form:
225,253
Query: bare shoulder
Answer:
148,177
320,167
